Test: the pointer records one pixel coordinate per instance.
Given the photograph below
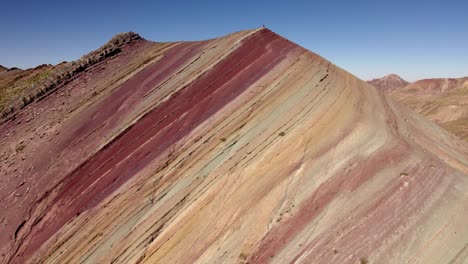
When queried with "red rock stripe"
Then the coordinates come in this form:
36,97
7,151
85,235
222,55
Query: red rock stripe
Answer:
98,120
158,130
367,224
279,237
110,110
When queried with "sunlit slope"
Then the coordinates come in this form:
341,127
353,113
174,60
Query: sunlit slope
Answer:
241,149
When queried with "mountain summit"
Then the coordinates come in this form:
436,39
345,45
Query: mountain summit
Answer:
241,149
389,83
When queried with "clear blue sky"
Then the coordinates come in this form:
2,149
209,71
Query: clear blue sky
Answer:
415,39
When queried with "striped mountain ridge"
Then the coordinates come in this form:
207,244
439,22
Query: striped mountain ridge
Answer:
241,149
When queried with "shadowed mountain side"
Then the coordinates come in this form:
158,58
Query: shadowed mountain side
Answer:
241,149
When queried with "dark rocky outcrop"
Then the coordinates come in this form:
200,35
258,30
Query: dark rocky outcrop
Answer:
45,79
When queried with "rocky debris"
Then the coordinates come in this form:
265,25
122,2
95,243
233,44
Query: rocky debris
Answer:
52,77
111,48
20,146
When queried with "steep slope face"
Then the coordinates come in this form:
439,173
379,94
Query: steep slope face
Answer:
246,148
388,83
444,101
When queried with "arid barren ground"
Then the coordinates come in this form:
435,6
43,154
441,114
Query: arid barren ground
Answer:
241,149
442,100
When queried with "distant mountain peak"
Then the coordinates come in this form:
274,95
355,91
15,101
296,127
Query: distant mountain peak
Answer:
394,76
389,82
123,38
